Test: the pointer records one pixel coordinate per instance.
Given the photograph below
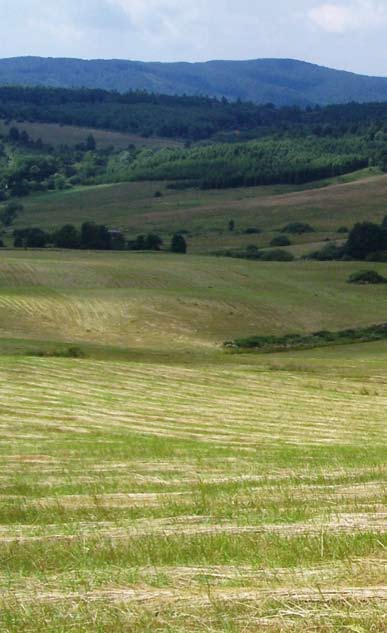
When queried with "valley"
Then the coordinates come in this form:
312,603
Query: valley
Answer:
155,474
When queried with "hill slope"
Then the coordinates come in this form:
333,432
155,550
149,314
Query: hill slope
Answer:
280,81
162,484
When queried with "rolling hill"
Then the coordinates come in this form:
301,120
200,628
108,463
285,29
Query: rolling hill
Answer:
152,481
280,81
259,212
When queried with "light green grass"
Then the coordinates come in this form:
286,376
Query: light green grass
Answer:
161,484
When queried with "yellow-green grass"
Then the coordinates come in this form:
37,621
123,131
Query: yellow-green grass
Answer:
55,134
174,302
161,484
133,208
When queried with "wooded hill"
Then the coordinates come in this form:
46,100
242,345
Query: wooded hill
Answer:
280,81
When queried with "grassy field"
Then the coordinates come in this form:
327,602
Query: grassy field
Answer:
55,134
174,303
205,215
161,484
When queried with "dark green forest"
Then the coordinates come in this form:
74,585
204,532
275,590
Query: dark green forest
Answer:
227,144
189,118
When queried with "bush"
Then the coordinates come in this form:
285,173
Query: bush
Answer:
298,228
252,231
277,255
74,352
317,339
380,256
343,229
148,242
281,240
69,352
252,252
328,253
366,277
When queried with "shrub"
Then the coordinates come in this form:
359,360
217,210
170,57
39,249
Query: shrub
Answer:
68,352
281,240
74,352
252,252
343,229
328,253
277,255
298,228
252,231
380,256
366,277
148,242
317,339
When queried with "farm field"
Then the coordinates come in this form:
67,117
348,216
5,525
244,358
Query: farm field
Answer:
56,134
158,483
204,215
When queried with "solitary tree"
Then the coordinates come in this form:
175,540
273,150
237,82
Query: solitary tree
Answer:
178,244
231,225
14,134
90,143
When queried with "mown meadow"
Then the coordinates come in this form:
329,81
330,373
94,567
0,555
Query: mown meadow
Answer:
152,481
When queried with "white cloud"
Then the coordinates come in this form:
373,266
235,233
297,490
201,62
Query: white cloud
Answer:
340,18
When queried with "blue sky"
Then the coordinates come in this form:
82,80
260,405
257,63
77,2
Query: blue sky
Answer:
348,34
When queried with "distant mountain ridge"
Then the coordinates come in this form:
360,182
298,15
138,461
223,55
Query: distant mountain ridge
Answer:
279,81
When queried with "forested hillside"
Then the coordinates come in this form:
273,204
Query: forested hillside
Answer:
190,118
280,81
226,144
268,161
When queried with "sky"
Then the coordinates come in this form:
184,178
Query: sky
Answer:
345,34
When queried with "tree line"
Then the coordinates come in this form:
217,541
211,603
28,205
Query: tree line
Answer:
92,236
